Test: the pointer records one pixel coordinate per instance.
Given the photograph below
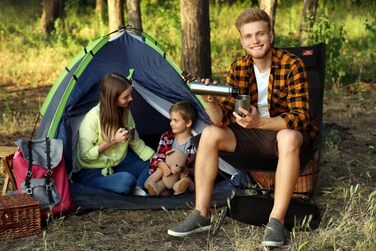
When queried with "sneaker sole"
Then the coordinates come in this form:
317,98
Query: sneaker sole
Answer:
273,243
183,234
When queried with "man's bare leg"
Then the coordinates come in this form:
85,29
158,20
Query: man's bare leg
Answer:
289,142
213,140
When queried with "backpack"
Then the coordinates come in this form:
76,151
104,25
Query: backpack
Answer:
39,169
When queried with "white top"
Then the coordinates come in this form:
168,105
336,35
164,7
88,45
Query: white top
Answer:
262,80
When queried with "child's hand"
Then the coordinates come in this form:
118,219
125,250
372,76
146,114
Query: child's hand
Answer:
185,172
164,168
121,135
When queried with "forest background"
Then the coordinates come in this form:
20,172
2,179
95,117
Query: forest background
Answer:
31,61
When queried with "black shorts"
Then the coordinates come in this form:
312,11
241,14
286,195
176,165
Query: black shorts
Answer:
262,142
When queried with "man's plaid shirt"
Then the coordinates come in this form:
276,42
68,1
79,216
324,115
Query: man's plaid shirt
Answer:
287,90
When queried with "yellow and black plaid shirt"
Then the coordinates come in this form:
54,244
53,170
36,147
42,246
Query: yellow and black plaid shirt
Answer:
287,90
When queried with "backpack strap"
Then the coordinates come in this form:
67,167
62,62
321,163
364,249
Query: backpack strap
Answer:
29,170
49,171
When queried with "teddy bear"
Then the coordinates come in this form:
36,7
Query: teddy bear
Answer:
159,184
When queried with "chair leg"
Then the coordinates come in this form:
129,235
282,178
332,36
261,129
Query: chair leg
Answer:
9,180
218,224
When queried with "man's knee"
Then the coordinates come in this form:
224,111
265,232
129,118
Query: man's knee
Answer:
211,135
289,140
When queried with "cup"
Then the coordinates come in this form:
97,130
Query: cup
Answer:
243,101
131,132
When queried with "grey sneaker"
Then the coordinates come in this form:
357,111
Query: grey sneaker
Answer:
274,234
193,223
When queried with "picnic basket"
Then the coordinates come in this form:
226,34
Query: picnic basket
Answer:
20,215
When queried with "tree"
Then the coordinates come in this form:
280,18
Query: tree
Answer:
115,14
270,7
52,9
134,14
308,19
100,6
195,37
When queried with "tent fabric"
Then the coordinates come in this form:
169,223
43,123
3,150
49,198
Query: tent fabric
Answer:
157,84
89,201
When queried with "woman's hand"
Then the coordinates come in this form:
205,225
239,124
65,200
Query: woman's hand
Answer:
120,136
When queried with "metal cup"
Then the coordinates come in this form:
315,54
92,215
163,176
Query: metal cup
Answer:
243,101
131,132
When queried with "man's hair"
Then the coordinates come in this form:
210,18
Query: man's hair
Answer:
186,109
252,15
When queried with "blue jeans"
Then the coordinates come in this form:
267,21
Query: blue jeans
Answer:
130,172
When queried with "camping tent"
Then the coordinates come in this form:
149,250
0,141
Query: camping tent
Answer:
158,84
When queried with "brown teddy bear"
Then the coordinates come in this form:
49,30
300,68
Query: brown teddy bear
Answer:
159,184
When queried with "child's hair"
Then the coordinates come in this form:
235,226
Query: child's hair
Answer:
252,15
112,117
186,109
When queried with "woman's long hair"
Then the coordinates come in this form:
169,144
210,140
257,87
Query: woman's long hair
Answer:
112,117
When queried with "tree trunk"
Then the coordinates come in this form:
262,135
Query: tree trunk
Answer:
100,6
134,14
115,14
195,27
308,19
52,9
270,7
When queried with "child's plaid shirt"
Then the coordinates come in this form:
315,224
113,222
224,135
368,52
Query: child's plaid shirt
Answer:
165,144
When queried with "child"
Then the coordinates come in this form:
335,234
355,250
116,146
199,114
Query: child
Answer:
182,115
104,140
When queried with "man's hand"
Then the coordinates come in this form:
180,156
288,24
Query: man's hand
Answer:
250,120
209,98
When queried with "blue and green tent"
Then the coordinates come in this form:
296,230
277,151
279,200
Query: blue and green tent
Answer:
158,83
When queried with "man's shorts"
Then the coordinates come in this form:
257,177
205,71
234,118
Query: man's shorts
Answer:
262,142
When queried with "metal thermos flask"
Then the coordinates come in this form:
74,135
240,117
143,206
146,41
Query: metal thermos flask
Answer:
215,90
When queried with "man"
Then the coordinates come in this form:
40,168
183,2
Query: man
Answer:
278,123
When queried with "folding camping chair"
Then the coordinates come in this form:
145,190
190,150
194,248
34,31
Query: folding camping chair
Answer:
314,60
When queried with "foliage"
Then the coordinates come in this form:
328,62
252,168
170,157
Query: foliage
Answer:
161,19
349,33
326,32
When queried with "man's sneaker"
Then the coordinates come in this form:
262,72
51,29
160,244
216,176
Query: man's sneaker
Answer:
193,223
274,234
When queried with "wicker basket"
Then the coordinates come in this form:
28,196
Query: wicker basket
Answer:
20,216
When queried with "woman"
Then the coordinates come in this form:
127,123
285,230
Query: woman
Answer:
103,157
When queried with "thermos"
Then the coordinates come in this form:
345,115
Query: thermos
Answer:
215,90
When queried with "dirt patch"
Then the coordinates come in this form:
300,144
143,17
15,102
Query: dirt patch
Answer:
349,120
